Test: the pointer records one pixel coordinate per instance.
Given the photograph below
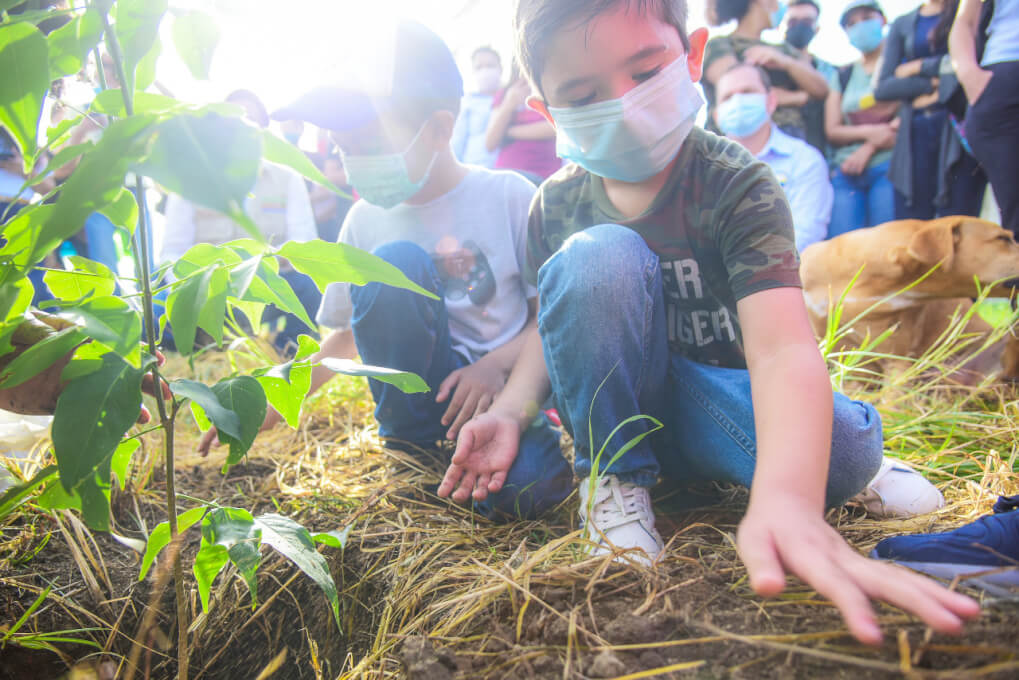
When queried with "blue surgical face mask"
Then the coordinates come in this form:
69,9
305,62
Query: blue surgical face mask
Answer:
778,15
636,136
866,35
383,179
741,115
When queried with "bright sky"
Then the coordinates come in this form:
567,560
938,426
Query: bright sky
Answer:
279,55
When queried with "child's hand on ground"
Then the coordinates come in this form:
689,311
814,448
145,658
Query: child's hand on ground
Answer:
211,436
473,389
776,537
484,454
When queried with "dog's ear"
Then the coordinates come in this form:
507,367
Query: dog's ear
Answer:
935,242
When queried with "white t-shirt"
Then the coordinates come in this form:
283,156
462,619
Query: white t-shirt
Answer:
476,235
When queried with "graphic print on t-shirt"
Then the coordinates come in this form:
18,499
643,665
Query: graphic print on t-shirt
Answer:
688,322
465,271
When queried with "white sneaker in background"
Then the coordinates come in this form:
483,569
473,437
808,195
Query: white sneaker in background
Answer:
898,490
620,518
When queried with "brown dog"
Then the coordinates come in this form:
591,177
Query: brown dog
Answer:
895,254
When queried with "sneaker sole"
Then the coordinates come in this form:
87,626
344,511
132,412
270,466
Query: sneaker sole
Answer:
986,577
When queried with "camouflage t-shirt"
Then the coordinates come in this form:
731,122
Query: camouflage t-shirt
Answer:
720,225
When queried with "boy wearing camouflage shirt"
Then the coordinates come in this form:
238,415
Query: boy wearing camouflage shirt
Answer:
668,287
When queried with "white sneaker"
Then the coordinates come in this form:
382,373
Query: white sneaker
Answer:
898,490
620,519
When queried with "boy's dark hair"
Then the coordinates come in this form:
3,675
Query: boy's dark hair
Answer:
797,3
486,49
414,111
761,73
536,21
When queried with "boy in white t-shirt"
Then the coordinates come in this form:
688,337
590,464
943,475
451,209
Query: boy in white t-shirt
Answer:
457,231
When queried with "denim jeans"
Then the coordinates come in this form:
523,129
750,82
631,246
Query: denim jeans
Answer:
864,200
402,330
307,292
603,328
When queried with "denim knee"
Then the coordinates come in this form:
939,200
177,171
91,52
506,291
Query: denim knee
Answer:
598,258
856,451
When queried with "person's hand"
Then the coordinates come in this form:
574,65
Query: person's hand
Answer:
925,100
886,138
473,388
785,535
766,57
857,161
909,68
975,83
484,453
211,436
518,92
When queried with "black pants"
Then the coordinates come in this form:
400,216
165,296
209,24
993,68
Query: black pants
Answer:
966,181
992,128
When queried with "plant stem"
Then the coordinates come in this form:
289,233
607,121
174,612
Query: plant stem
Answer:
166,420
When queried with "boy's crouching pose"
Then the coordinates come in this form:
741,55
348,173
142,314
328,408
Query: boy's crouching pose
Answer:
668,286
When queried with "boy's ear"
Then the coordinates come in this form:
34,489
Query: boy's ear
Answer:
695,58
536,103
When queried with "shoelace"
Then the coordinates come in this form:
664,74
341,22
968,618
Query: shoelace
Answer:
619,503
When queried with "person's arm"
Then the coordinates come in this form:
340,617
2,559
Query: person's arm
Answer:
806,77
537,130
810,199
460,129
503,113
890,86
338,345
784,530
790,98
839,133
962,46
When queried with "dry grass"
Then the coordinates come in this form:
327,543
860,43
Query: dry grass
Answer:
430,590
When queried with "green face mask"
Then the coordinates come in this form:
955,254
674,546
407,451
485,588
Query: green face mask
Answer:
383,179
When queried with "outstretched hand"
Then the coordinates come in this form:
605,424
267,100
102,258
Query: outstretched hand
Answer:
776,537
470,391
485,451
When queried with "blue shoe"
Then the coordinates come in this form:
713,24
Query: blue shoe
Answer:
989,543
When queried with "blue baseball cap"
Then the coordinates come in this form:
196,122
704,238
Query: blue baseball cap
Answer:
412,64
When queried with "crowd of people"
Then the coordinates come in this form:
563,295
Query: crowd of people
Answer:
645,288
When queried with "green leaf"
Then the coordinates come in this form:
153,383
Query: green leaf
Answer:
108,320
94,493
184,306
210,160
213,312
95,183
225,420
137,28
209,561
26,78
286,387
123,211
201,255
334,539
70,44
271,288
160,537
407,382
87,278
122,459
13,497
60,159
295,543
15,298
282,152
88,358
92,415
329,262
235,530
244,396
55,497
195,35
39,356
111,103
145,74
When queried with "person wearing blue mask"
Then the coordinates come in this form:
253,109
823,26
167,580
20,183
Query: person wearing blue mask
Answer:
459,232
668,291
801,28
795,80
934,175
861,130
745,105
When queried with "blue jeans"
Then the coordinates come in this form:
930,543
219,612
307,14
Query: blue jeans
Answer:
399,329
603,314
307,292
864,200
